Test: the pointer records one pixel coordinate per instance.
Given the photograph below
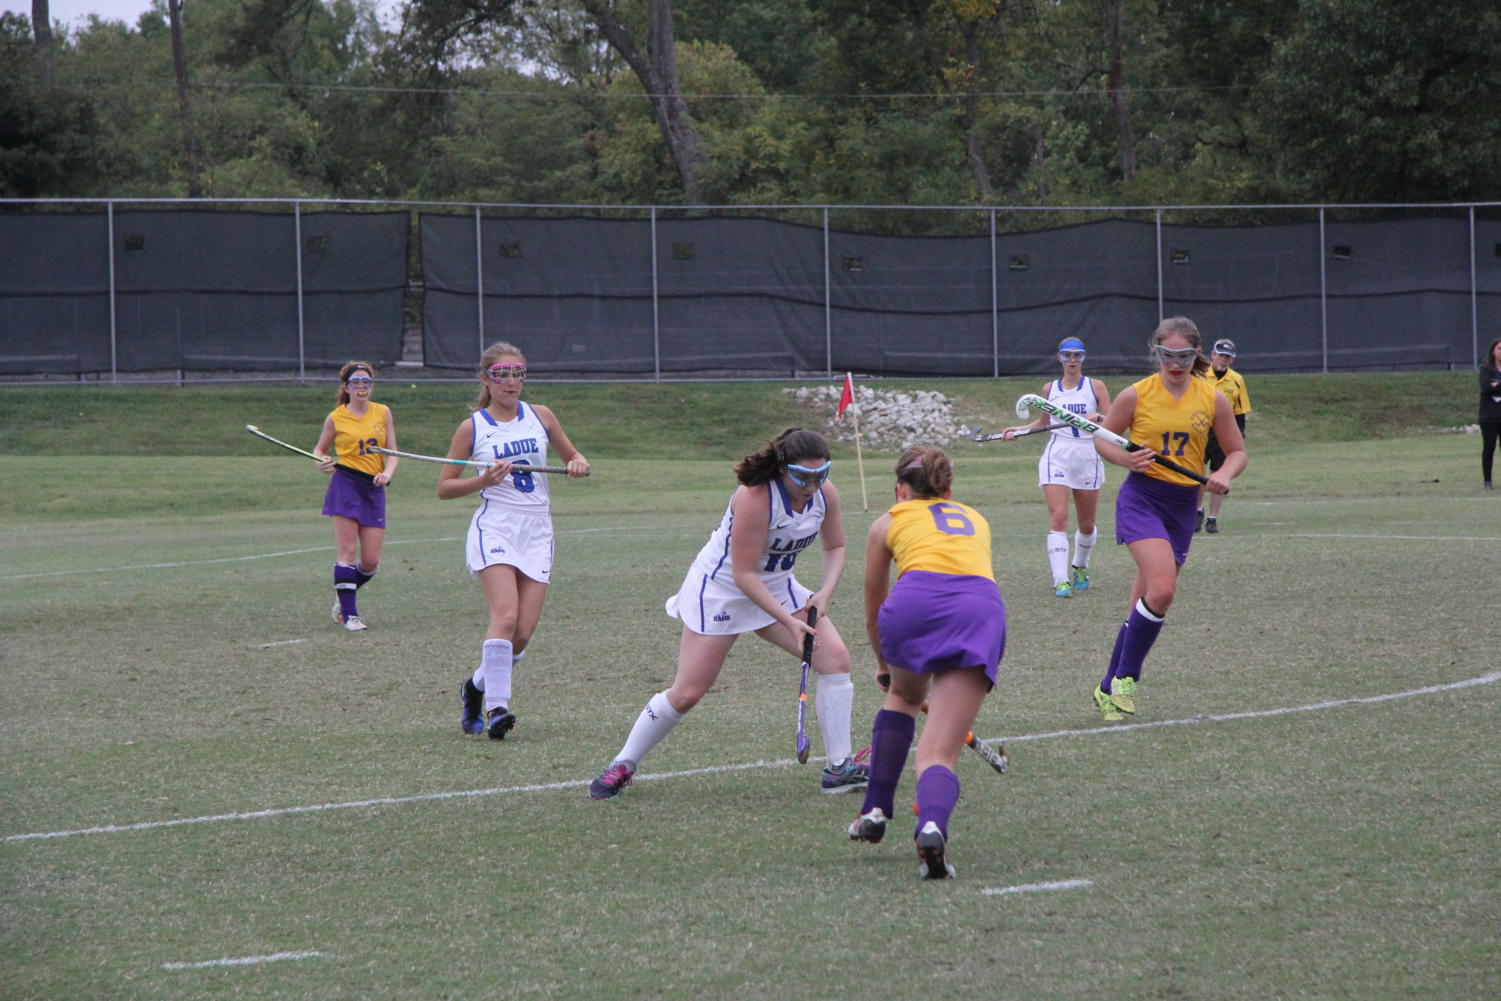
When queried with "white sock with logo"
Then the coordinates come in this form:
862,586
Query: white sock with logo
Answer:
652,727
1058,555
1084,546
834,699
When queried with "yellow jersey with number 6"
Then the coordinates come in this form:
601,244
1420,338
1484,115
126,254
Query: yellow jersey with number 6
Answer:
1176,429
939,536
353,437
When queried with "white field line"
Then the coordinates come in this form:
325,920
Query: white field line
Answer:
268,556
275,957
283,811
1062,884
267,646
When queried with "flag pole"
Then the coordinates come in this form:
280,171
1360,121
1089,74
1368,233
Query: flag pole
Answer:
860,461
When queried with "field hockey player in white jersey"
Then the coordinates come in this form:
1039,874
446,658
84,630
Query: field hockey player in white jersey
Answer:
742,582
509,548
1070,465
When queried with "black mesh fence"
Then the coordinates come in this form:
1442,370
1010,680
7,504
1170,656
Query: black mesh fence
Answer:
672,292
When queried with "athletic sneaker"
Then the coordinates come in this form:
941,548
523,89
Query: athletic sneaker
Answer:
1199,520
338,613
845,776
870,826
1123,694
500,722
611,781
1078,578
353,623
930,844
1108,712
1062,590
1212,526
473,720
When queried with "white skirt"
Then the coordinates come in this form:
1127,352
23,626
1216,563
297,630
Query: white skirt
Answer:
718,608
502,535
1071,463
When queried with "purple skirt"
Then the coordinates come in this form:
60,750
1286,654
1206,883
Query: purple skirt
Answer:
1148,508
936,622
352,496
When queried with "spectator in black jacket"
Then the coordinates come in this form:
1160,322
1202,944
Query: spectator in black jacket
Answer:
1490,409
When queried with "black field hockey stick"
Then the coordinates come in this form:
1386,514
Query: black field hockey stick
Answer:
1032,401
316,458
802,745
1001,435
521,467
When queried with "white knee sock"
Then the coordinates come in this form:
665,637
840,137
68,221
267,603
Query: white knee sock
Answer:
495,665
479,672
652,727
833,699
1083,546
1058,555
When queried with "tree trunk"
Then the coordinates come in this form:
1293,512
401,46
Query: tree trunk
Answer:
658,73
184,102
1112,14
41,28
969,112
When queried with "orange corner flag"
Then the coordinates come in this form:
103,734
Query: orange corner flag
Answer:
846,397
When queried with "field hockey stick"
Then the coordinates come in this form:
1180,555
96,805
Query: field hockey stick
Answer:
521,467
802,745
1001,435
293,448
1031,401
995,757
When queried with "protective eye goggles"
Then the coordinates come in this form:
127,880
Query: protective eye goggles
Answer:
802,475
359,380
1177,356
1071,356
500,373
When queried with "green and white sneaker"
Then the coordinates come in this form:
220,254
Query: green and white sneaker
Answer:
1123,694
1108,712
1078,578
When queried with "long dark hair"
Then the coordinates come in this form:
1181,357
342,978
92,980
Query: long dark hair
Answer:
1490,357
351,367
927,471
1185,328
789,446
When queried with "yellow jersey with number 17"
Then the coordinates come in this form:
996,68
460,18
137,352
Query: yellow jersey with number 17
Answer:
353,437
939,536
1176,429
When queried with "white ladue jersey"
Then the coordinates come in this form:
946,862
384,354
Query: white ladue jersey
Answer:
522,441
1079,400
788,533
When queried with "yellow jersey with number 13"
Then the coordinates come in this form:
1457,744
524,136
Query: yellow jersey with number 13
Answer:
353,437
939,536
1176,429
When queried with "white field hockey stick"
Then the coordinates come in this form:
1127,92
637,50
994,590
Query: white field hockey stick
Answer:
802,745
1001,435
995,757
316,458
521,467
1032,401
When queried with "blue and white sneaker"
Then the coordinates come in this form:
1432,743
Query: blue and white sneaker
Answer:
846,775
1078,578
473,719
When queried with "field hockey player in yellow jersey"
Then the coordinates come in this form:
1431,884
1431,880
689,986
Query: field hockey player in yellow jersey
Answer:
1169,413
356,497
938,635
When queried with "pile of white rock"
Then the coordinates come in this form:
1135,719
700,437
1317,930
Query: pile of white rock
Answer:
889,421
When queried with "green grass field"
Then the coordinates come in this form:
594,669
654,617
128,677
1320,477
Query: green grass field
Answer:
196,765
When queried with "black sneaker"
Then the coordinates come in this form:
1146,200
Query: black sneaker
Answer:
500,722
1212,526
611,781
869,826
1199,520
473,719
930,845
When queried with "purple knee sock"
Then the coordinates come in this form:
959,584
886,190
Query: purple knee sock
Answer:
346,582
1141,632
1115,657
890,740
937,792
